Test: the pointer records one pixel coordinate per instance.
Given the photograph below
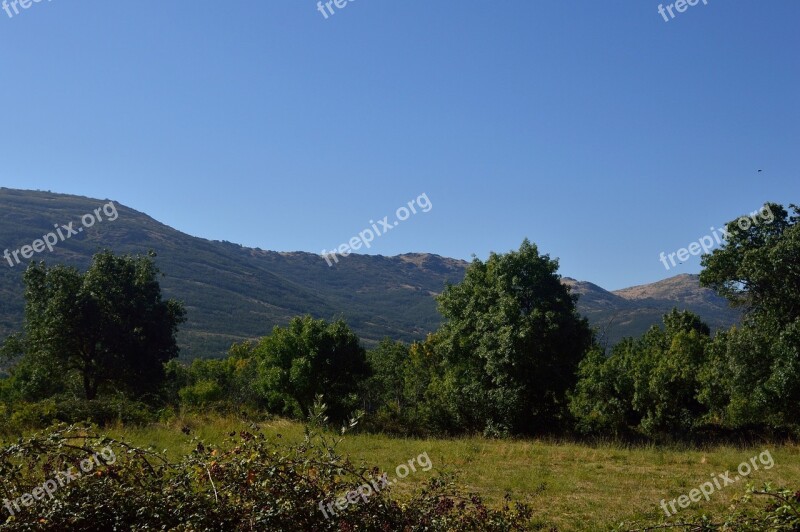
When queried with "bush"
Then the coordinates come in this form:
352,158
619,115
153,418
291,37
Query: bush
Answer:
251,483
32,415
22,417
201,393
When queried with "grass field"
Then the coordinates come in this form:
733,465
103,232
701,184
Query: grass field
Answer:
570,486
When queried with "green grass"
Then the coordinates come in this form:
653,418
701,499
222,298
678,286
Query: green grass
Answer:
571,486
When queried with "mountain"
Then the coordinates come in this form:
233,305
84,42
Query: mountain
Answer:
233,293
631,311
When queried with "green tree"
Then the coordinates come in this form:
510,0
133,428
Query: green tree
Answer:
430,391
228,382
512,341
667,384
406,394
759,267
602,402
108,327
309,358
754,377
650,385
387,362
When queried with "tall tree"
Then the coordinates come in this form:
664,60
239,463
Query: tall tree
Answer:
758,267
108,326
513,340
756,367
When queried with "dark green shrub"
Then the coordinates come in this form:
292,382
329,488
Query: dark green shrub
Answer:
104,411
22,416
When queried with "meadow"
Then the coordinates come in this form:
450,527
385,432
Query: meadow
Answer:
571,486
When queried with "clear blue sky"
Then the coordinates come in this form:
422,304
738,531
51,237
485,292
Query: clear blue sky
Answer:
598,130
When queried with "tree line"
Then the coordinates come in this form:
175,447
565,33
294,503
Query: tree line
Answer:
512,357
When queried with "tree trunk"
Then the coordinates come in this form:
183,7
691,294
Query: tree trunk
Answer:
89,388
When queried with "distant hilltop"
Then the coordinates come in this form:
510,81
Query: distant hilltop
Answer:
631,311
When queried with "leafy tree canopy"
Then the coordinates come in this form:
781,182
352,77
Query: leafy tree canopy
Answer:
755,370
759,267
513,340
309,358
108,327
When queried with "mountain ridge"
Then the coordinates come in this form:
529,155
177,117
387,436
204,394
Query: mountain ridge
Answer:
234,293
